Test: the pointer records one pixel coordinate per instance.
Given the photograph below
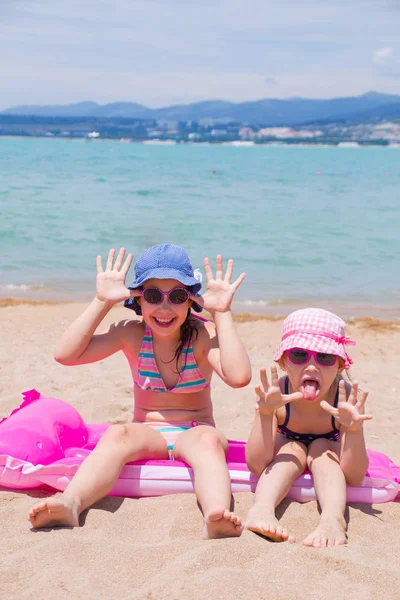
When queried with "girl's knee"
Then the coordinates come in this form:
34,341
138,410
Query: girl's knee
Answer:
210,440
119,434
300,454
321,448
296,451
133,441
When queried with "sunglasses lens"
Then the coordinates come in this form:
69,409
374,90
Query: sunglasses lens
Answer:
327,360
178,296
298,357
152,296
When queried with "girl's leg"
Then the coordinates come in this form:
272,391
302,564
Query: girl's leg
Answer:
204,449
330,489
275,482
98,473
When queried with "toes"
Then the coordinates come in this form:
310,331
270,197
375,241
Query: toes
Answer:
35,510
232,517
309,541
281,533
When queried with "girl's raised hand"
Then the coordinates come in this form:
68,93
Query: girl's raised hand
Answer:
270,397
349,412
220,290
110,283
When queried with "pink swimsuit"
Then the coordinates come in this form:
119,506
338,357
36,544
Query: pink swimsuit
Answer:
191,379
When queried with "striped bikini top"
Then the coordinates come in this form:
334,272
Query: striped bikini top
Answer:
148,377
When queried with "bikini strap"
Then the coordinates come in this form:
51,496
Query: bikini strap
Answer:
335,403
287,406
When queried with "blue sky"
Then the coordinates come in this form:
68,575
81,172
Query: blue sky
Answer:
163,52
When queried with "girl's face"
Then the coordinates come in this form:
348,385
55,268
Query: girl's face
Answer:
312,379
166,317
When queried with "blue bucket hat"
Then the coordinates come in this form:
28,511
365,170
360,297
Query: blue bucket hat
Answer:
164,261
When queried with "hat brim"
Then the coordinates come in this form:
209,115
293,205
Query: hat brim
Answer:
313,342
167,273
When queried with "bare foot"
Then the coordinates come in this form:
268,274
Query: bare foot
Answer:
331,531
267,525
54,512
221,523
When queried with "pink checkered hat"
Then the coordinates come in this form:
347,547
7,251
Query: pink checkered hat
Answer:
315,329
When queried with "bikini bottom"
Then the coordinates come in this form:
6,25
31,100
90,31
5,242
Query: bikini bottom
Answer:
170,431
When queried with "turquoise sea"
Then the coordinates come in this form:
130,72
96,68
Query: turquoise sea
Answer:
309,225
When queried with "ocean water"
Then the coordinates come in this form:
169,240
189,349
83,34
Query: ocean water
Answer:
308,225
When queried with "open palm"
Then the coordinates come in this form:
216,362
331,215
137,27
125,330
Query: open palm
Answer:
110,283
270,397
220,291
349,412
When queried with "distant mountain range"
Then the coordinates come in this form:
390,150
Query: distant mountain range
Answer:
371,106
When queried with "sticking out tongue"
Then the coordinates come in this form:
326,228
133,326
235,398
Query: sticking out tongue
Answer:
310,389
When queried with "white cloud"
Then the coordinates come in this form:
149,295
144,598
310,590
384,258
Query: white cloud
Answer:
381,55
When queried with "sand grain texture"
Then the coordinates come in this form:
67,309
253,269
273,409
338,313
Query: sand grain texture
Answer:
151,548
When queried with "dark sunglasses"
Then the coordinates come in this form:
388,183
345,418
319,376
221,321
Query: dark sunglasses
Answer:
298,356
153,295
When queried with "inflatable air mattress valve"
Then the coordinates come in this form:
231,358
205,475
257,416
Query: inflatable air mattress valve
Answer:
44,441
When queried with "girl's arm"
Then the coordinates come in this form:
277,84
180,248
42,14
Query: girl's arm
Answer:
79,345
260,447
224,351
350,413
353,457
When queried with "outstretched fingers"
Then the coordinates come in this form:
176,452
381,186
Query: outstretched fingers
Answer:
208,270
361,402
228,275
260,392
342,392
365,417
329,408
110,259
126,266
119,259
99,264
353,393
238,281
274,376
229,271
264,380
219,269
118,265
286,398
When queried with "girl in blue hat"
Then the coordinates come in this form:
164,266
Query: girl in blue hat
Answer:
172,355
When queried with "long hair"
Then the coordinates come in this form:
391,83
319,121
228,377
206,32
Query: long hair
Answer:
189,333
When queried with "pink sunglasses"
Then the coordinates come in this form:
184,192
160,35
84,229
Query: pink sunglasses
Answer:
153,295
299,356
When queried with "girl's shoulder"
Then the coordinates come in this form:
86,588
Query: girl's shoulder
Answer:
130,331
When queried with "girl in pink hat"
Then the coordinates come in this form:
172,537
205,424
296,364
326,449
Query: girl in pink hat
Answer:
310,418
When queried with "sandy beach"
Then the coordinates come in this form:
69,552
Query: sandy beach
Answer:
151,548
